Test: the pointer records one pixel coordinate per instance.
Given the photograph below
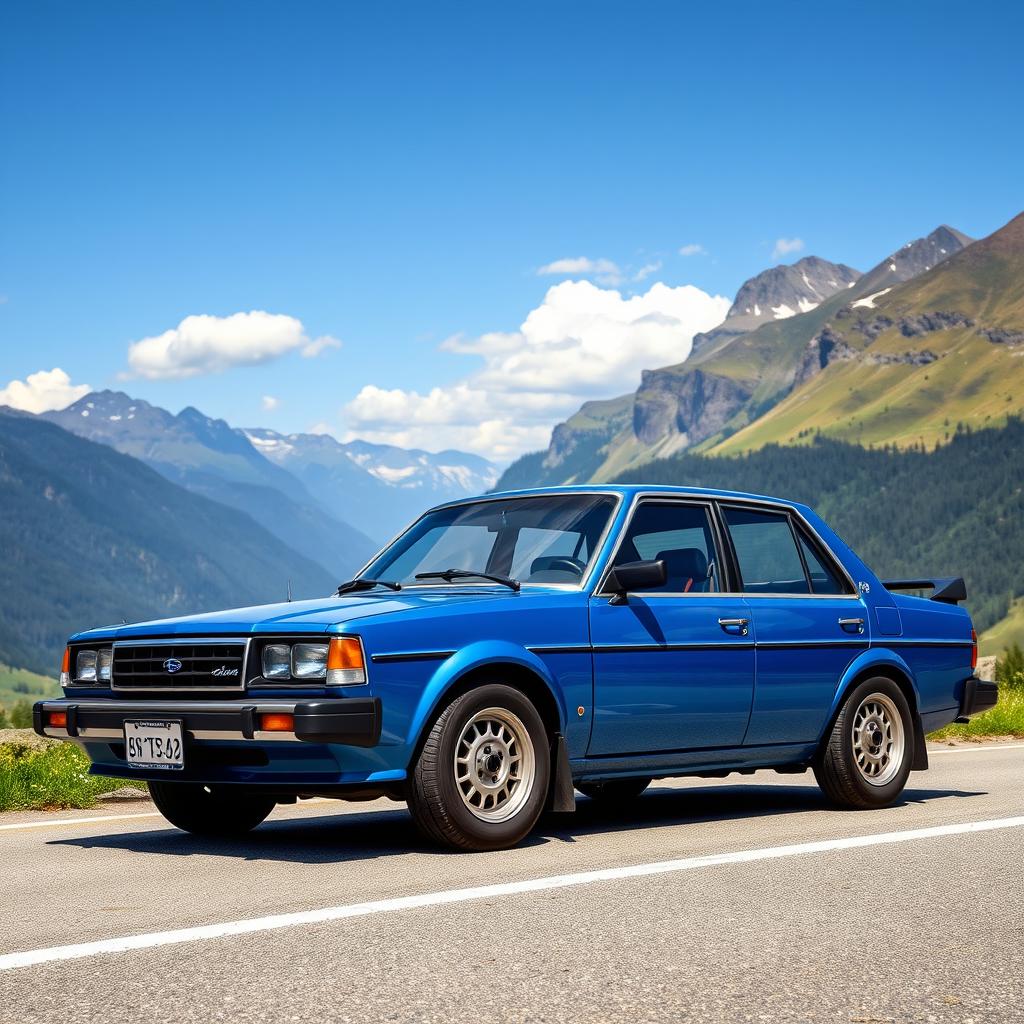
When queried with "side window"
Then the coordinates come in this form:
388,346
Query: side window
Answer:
767,552
680,535
823,577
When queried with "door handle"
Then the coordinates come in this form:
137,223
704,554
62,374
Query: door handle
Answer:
739,626
852,625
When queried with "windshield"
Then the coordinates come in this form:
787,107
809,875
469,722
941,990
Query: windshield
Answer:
547,539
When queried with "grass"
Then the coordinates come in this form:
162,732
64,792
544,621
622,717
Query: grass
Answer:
38,774
17,684
1006,632
1005,719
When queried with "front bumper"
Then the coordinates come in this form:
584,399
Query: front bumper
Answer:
352,721
978,695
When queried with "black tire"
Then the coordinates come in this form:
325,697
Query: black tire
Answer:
440,804
850,753
210,810
614,792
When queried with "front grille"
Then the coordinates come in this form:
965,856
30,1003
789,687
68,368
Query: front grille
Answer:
218,665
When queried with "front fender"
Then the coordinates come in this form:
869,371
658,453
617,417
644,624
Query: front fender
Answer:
474,656
873,658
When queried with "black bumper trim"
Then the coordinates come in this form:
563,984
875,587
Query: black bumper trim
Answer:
353,721
978,695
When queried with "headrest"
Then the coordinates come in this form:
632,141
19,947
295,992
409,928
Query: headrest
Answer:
682,565
556,569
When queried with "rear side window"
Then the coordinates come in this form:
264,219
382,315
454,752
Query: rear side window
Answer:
824,579
680,535
767,552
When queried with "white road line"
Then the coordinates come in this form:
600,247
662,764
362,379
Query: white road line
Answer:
972,750
54,822
433,899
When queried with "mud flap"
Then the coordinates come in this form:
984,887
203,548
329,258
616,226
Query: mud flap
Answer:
920,763
562,796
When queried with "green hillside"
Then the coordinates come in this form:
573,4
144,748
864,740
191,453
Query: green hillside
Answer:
90,536
957,510
18,684
944,348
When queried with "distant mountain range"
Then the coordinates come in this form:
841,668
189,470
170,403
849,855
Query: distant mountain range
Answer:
90,536
333,502
759,357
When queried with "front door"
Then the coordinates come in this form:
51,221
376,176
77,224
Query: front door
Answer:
673,668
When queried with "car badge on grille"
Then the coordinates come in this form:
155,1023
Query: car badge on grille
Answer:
224,671
172,665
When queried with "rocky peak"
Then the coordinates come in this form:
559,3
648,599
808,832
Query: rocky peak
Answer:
913,259
778,293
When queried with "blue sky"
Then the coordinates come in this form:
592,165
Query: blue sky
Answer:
394,175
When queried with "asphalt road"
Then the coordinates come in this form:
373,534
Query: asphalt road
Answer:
771,906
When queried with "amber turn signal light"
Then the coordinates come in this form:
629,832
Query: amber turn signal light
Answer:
277,722
65,667
346,665
57,719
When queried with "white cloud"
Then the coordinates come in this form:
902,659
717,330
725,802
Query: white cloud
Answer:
646,270
693,249
43,391
210,344
785,246
602,270
319,345
269,403
581,342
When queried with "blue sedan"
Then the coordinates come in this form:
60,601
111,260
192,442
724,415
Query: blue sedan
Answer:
509,650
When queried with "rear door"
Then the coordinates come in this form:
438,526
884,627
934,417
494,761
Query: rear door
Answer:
673,668
809,621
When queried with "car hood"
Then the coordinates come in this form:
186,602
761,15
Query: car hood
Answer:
319,616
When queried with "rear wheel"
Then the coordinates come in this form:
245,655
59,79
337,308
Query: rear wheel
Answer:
614,792
210,810
866,759
481,779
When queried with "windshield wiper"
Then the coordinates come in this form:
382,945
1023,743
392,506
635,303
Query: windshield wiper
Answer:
362,584
448,575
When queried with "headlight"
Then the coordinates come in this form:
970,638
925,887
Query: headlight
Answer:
104,658
277,661
309,661
85,667
92,666
339,662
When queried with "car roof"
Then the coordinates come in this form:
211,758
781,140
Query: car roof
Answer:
627,491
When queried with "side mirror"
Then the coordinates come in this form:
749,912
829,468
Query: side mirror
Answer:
635,576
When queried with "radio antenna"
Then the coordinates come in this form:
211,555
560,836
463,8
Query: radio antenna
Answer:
288,592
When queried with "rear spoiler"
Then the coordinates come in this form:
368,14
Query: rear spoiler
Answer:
948,590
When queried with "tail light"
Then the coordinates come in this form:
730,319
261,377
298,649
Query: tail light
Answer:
974,649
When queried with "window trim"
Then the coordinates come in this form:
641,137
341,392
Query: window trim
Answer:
617,501
797,524
723,568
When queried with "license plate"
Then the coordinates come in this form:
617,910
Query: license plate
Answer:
153,745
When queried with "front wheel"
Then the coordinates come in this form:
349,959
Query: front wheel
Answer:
210,810
866,759
481,779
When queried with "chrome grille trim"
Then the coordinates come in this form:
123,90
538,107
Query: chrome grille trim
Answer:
155,679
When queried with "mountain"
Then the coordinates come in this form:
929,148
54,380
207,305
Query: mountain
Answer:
91,536
380,485
209,457
909,362
779,293
732,377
